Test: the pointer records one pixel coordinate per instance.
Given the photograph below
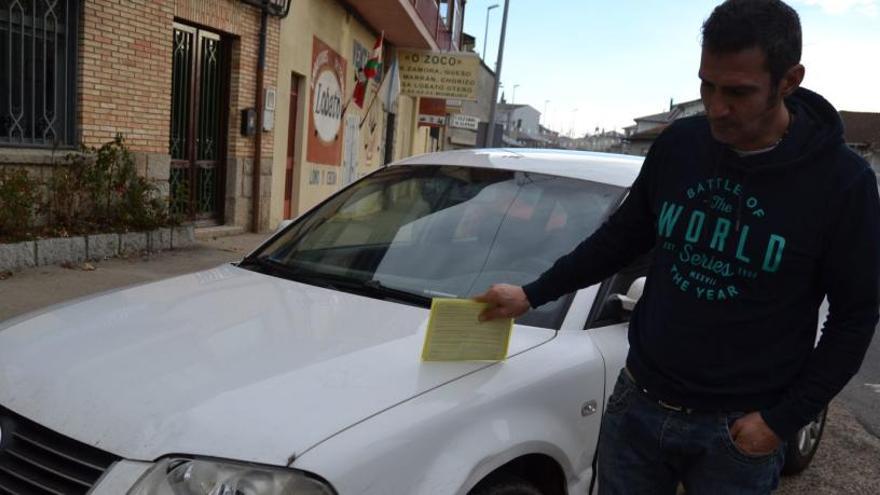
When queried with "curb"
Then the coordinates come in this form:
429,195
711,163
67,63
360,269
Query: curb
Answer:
61,250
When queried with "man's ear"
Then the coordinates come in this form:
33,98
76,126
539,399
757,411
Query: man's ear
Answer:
792,80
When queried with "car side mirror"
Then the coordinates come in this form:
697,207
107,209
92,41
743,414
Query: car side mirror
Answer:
628,301
283,225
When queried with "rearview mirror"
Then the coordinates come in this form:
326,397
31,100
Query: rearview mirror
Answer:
628,301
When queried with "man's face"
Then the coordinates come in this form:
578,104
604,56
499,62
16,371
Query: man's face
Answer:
741,103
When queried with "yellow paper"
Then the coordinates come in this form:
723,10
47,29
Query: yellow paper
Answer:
456,334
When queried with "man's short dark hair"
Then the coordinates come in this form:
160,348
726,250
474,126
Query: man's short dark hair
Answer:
770,25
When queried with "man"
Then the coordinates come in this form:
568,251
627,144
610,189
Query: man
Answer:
754,212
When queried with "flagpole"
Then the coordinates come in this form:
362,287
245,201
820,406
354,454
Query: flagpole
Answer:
370,106
363,70
378,85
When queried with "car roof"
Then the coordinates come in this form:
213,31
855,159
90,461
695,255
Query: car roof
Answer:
606,168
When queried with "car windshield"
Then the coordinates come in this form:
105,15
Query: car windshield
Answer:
440,231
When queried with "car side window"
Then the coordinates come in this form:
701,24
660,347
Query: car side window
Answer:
610,310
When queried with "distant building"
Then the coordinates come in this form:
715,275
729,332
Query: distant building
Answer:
521,124
862,134
604,141
466,120
640,137
861,131
550,137
567,143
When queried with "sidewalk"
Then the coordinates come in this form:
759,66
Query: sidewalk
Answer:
38,287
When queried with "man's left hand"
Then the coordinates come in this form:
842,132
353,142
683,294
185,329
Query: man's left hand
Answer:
752,435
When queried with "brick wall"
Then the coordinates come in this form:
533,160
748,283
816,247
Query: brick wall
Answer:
125,67
124,83
125,72
242,21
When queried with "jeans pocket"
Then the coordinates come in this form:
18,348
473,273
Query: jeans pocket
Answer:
734,450
622,395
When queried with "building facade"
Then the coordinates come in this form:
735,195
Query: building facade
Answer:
178,80
462,129
521,124
169,76
316,153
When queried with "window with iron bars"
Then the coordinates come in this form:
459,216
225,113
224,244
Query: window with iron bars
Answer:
38,72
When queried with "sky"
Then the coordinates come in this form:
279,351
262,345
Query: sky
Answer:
587,64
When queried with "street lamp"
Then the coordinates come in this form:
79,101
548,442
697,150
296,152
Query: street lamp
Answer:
490,132
486,32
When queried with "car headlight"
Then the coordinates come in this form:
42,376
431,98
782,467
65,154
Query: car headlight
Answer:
179,476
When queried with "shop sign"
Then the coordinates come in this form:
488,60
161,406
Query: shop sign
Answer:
326,106
432,112
438,74
462,121
454,105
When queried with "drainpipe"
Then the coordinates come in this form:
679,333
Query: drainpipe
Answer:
280,9
256,170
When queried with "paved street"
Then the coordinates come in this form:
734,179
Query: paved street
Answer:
847,462
38,287
862,395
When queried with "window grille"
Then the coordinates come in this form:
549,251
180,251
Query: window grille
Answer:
38,53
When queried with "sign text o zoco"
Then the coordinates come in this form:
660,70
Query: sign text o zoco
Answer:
429,59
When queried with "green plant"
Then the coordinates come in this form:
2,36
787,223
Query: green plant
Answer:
122,198
66,206
93,190
99,189
179,193
19,194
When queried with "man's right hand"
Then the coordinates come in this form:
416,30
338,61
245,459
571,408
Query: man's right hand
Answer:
505,301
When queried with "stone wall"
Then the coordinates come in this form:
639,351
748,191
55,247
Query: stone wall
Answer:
41,164
73,250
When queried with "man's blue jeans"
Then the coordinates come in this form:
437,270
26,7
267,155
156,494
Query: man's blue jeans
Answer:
645,448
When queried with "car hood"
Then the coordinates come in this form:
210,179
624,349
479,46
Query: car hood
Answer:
225,363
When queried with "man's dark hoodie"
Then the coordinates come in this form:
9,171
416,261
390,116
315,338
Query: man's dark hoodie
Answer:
745,249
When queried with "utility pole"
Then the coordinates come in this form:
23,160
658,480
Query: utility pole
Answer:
490,128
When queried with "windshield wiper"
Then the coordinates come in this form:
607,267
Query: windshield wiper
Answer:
264,264
274,268
380,289
370,288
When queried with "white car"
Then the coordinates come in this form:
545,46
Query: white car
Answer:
297,371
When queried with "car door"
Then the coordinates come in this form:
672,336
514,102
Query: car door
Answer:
608,322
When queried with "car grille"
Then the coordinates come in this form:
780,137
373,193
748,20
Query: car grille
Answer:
35,460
